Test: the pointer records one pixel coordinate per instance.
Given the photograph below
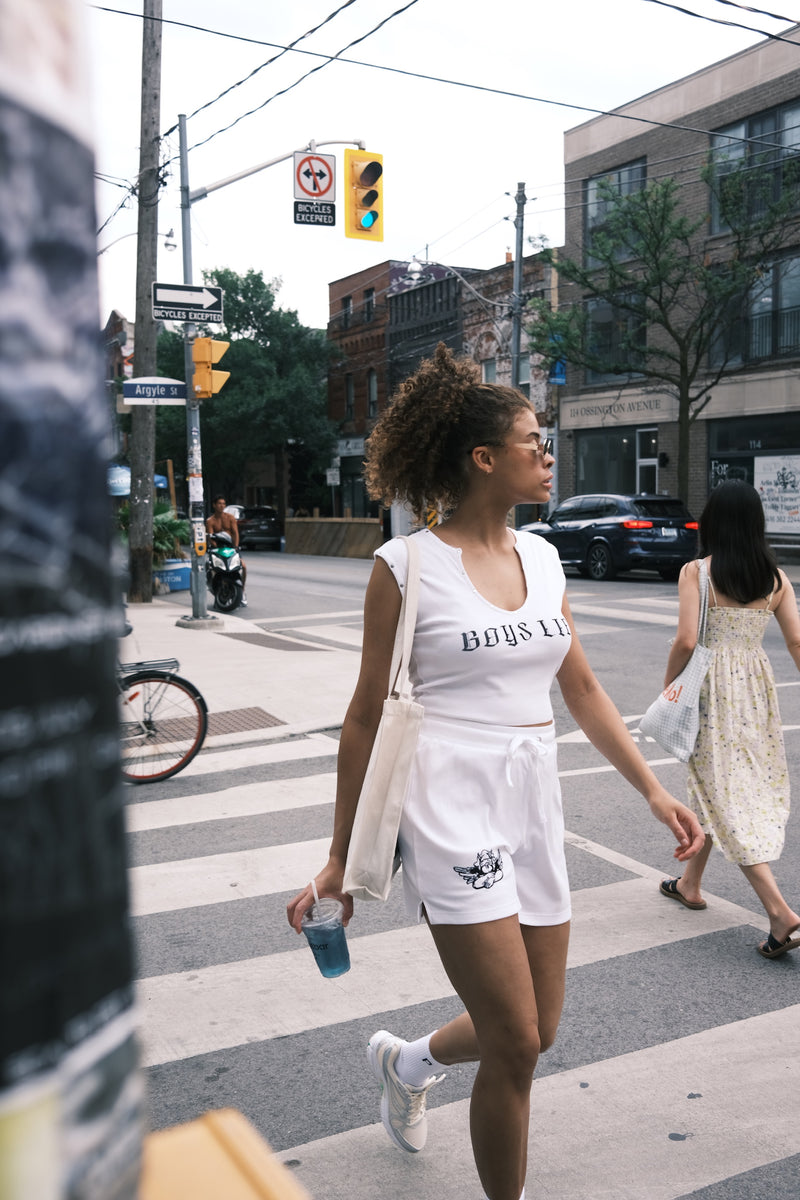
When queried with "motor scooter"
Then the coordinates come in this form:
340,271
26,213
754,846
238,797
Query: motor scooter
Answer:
224,572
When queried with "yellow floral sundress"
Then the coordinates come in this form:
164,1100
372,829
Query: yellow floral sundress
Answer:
738,784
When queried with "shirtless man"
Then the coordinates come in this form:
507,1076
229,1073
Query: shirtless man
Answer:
222,522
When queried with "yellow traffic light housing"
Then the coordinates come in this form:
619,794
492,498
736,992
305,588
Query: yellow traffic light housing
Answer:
363,195
205,352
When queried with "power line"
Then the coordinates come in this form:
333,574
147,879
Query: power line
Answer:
777,37
600,112
313,71
761,12
270,61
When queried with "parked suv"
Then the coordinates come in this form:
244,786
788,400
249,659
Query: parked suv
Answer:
603,534
259,528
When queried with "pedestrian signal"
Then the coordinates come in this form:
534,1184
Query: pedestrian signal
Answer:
205,352
363,195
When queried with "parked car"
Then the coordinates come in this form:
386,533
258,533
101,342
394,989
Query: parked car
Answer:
603,534
259,527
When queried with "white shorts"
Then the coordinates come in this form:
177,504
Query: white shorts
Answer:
482,831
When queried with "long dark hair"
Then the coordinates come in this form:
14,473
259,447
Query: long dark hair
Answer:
732,531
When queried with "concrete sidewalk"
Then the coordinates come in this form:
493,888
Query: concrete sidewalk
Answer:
258,685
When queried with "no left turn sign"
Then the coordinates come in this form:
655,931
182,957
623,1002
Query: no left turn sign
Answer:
314,176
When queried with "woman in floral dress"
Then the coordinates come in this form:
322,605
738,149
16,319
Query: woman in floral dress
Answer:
738,782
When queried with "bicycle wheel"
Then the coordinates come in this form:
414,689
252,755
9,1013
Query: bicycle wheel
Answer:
163,721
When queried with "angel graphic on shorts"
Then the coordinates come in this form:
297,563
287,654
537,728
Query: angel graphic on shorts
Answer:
485,872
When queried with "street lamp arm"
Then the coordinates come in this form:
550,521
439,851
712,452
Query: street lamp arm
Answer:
202,192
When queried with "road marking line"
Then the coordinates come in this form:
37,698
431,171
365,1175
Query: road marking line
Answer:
247,800
690,1102
192,1012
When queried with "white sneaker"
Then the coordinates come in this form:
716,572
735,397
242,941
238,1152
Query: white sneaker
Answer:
402,1106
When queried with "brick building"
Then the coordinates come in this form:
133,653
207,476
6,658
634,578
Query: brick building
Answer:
618,434
385,320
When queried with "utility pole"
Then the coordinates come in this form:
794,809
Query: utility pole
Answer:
516,287
194,470
143,420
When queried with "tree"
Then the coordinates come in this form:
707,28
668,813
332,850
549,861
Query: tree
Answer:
674,299
276,397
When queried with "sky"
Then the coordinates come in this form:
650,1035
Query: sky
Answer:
452,155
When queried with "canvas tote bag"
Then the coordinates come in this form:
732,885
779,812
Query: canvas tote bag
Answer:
674,718
372,855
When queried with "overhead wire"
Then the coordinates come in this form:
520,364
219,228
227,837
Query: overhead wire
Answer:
269,61
320,67
293,47
761,12
777,37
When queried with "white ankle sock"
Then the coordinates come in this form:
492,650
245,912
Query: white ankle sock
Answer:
415,1064
522,1197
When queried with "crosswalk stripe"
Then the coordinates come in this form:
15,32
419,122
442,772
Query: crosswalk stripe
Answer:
208,762
630,614
246,800
190,1012
594,1135
218,878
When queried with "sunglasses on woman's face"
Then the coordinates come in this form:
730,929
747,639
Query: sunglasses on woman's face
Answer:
545,448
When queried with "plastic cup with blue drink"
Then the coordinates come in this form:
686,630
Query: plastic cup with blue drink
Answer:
322,925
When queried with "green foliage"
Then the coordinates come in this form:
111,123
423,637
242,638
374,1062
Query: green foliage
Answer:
671,290
168,531
277,391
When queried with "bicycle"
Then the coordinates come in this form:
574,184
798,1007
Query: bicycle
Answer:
163,720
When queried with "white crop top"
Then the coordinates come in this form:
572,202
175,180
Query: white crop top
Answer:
472,660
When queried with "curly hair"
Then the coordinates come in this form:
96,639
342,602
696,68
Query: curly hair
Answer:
418,452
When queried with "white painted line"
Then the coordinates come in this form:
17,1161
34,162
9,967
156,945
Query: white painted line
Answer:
194,1012
316,745
656,1124
217,878
247,800
629,614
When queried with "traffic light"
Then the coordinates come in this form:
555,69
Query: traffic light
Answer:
363,195
205,352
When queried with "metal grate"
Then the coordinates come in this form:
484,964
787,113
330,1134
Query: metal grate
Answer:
237,720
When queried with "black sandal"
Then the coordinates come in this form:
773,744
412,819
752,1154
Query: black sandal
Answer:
772,948
669,887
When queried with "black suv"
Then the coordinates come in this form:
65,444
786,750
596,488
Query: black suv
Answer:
259,526
601,535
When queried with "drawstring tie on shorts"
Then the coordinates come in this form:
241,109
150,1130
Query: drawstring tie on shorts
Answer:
526,743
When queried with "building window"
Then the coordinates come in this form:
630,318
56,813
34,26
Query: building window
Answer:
488,370
769,326
616,338
372,393
647,460
349,398
369,304
771,154
605,460
600,193
347,311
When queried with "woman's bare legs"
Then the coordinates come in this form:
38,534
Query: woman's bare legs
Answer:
511,980
782,919
693,869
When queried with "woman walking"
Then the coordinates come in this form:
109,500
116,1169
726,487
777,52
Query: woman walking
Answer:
738,782
481,836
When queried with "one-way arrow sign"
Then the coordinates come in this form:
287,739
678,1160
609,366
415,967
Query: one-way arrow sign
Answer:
185,302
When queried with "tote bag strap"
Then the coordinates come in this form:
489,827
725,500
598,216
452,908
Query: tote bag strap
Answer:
702,581
400,684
